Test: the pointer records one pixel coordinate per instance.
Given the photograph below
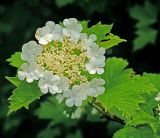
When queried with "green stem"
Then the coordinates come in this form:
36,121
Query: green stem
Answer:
105,115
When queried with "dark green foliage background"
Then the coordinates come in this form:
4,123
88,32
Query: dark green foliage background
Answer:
19,20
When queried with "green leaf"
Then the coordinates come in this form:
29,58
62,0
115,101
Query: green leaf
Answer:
14,80
115,72
100,30
131,132
143,37
123,89
154,79
144,118
146,16
16,60
23,95
62,3
84,25
51,109
111,40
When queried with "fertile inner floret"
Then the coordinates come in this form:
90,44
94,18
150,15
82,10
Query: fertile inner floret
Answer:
64,59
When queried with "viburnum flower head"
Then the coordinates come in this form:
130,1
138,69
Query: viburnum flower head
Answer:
63,60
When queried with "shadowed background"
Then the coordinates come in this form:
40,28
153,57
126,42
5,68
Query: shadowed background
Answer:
19,20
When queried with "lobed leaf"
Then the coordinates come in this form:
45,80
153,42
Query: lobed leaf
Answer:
100,30
131,132
23,95
14,80
111,40
124,91
51,109
16,60
146,16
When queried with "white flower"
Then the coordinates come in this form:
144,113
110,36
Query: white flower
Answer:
76,95
30,51
96,87
77,113
49,32
56,30
95,51
30,72
49,83
88,41
96,59
63,84
96,66
157,98
72,29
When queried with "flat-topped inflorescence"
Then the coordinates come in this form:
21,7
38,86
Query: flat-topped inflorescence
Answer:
60,59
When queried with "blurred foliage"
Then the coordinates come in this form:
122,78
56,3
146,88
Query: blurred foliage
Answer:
146,16
20,18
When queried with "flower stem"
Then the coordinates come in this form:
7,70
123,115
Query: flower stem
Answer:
105,115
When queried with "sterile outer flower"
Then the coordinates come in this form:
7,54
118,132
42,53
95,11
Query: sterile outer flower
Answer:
30,51
56,30
95,67
72,29
96,59
49,83
77,113
49,32
63,84
157,98
86,40
30,72
95,51
96,87
76,95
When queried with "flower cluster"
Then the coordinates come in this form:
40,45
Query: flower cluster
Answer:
63,60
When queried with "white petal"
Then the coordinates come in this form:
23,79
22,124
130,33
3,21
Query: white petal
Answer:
66,22
157,98
90,69
24,66
53,89
78,102
21,75
64,84
44,89
102,51
83,36
75,36
66,32
78,28
93,37
29,80
67,93
69,102
51,25
100,70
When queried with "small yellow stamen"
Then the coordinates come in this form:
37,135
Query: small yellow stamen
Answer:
64,61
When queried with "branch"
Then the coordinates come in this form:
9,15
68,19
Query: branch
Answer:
105,115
